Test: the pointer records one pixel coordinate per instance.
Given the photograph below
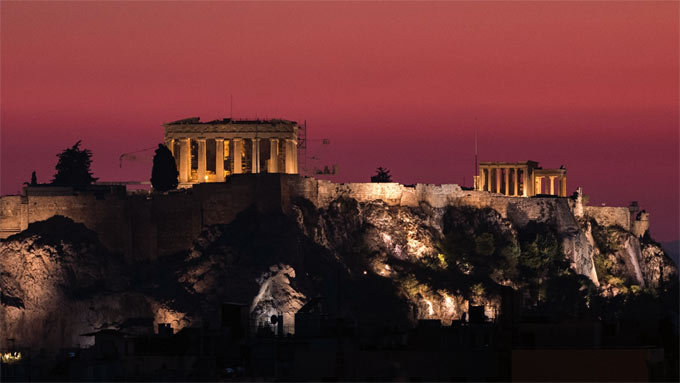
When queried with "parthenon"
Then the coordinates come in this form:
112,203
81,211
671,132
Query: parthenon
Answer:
520,179
211,151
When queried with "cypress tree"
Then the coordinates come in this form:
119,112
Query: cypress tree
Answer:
164,172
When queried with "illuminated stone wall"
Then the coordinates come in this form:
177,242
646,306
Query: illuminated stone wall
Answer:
322,192
13,215
148,226
609,215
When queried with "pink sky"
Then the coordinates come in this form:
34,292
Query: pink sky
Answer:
592,86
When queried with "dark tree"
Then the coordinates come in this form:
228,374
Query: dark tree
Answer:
73,167
164,172
381,175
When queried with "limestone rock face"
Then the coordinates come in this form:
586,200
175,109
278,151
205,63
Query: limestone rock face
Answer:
624,257
655,265
59,282
375,262
579,248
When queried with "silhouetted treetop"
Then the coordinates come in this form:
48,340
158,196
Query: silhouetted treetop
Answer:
381,175
73,167
164,172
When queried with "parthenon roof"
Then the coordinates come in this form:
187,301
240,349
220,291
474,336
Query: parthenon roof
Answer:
194,125
502,163
229,121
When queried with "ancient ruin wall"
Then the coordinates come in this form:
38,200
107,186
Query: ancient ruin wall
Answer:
609,215
147,226
13,215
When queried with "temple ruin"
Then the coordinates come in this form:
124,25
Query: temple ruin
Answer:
521,179
211,151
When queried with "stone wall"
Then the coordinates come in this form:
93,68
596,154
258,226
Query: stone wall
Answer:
148,226
640,225
322,192
13,215
609,215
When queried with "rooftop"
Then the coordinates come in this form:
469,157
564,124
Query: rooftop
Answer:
229,121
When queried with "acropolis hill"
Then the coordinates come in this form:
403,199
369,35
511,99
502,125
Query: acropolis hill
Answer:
245,227
226,166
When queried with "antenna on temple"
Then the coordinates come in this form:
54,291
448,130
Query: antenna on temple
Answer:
476,167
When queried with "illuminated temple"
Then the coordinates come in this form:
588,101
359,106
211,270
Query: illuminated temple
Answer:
211,151
520,179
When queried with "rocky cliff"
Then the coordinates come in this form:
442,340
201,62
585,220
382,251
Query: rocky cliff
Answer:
375,263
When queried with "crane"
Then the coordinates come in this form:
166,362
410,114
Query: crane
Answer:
142,155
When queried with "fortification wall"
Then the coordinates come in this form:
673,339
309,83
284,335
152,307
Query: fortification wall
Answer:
322,192
148,226
144,226
13,215
609,215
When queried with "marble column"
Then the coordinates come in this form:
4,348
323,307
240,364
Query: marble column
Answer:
255,167
237,154
273,163
507,180
563,186
525,182
515,181
201,161
170,144
489,179
290,156
184,159
219,159
538,189
480,180
552,184
294,152
498,180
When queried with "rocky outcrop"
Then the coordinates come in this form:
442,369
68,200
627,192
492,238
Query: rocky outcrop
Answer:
59,282
626,260
376,262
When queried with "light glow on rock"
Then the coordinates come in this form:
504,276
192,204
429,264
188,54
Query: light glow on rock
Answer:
10,357
430,308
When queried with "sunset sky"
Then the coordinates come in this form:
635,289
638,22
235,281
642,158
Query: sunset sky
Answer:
589,85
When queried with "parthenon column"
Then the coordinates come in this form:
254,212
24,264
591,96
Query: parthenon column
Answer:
525,182
237,154
170,144
507,180
538,189
488,179
184,159
201,160
291,156
273,165
563,186
255,168
515,181
219,159
498,180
